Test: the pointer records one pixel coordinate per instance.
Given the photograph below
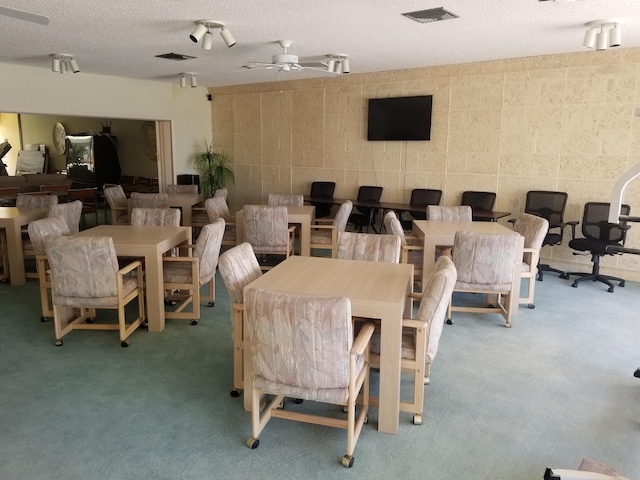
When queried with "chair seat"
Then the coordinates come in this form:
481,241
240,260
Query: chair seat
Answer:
598,247
177,272
129,284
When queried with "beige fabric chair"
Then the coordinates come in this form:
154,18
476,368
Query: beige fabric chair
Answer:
267,230
216,207
36,200
371,247
421,336
156,217
85,277
187,274
118,205
284,327
71,212
324,235
189,189
149,200
534,230
238,267
275,199
222,192
441,213
412,248
485,263
38,231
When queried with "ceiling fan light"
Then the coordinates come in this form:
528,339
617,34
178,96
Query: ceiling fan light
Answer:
227,37
331,65
207,41
602,40
74,65
589,38
198,33
615,37
345,66
55,64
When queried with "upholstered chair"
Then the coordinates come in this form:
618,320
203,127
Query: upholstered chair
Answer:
186,274
267,230
324,235
275,199
156,217
283,327
534,230
29,200
238,267
149,200
188,189
371,247
412,249
216,207
449,213
85,277
222,192
71,212
118,205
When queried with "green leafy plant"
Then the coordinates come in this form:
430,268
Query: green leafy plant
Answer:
214,167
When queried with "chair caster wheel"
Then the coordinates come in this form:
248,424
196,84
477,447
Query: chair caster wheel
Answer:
234,393
194,322
58,342
169,303
298,401
417,419
531,306
610,289
44,319
366,419
88,320
621,284
253,443
347,461
449,322
144,324
507,325
574,285
211,304
124,344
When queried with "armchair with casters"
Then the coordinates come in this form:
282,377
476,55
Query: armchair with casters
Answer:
216,207
534,230
149,200
36,200
274,199
366,215
283,327
89,199
412,249
155,217
439,213
598,237
267,230
322,189
238,267
118,204
324,233
371,247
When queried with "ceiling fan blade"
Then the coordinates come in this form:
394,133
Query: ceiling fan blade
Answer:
22,15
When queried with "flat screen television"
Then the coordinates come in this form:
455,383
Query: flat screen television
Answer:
400,118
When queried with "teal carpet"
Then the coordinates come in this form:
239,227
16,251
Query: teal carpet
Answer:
502,403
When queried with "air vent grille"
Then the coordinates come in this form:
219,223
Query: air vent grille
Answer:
174,56
430,15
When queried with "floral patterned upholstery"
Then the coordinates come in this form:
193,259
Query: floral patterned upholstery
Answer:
149,200
534,230
326,236
118,204
221,192
40,229
412,250
267,229
216,207
182,189
449,214
35,201
275,199
156,217
369,246
70,211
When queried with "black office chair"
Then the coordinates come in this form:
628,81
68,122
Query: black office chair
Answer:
479,200
421,197
322,189
549,205
366,216
598,235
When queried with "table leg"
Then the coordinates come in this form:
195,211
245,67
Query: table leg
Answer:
16,256
390,359
186,215
154,292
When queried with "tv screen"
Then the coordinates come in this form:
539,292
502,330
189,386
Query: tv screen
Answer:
400,118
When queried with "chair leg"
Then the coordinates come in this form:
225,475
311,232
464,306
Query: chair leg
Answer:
544,267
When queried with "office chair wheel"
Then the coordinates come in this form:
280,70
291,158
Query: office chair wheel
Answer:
211,304
637,373
574,285
621,284
194,322
610,289
531,306
449,321
564,276
234,393
253,443
347,461
298,401
417,419
124,344
58,342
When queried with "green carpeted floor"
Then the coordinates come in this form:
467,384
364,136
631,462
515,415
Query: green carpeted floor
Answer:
502,403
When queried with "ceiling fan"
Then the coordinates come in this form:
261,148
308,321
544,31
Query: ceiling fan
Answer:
287,62
22,15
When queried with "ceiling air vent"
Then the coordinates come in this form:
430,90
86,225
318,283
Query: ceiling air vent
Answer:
174,56
430,15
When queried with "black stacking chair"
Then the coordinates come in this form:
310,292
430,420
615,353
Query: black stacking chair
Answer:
421,197
479,200
366,215
322,189
598,234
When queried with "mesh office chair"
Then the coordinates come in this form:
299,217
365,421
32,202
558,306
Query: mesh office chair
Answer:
421,197
598,234
322,189
366,215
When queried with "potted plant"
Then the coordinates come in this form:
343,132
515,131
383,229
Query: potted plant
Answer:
214,168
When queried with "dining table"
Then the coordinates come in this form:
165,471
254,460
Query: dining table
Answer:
185,202
12,219
376,290
303,216
149,243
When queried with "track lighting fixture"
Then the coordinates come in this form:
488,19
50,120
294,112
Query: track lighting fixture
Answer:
193,80
61,63
602,34
338,63
203,33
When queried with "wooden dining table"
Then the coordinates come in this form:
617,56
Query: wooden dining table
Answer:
185,202
149,243
376,290
12,219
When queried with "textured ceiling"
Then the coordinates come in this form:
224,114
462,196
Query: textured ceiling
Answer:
122,37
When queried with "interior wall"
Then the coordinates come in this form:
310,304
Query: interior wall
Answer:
562,122
10,131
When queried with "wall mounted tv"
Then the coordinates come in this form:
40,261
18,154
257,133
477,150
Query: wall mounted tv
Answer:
400,118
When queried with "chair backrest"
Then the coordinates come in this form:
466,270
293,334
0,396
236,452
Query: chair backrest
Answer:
182,189
485,260
221,192
439,213
342,216
238,267
480,200
217,207
532,228
266,227
422,197
275,199
46,227
149,200
322,189
369,246
393,226
368,193
156,217
596,226
435,300
36,201
116,197
208,249
283,327
548,205
82,268
70,211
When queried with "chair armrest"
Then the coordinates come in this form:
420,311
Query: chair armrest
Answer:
412,238
323,221
411,323
361,342
238,307
179,259
512,221
572,224
323,227
130,267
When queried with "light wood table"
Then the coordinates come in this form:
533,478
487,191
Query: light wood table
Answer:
302,216
185,201
12,219
376,290
149,243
